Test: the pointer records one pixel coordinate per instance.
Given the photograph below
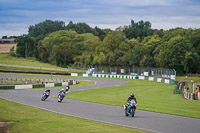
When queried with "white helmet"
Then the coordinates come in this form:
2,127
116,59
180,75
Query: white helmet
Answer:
62,89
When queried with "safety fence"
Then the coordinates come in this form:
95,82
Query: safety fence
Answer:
163,80
30,86
187,89
189,95
149,71
143,71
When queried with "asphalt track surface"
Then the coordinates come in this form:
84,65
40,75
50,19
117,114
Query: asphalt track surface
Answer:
144,120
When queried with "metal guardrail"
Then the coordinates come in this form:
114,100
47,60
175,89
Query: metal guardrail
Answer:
10,81
144,71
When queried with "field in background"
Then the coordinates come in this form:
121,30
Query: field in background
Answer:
5,48
195,78
8,62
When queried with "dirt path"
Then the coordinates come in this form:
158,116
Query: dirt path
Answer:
4,126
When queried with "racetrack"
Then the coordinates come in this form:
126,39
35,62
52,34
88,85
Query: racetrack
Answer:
144,120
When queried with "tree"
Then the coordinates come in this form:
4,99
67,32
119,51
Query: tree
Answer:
149,50
135,53
140,29
59,48
114,47
12,52
39,31
25,46
4,37
79,27
113,40
191,62
173,53
45,27
85,28
86,44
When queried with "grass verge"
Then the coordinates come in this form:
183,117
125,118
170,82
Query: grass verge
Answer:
151,96
6,59
33,120
188,78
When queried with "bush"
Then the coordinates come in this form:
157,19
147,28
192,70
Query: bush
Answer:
12,52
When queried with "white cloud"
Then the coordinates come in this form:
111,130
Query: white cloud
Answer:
14,29
165,14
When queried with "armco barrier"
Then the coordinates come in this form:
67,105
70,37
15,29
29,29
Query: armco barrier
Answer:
188,95
23,86
71,82
163,80
7,87
39,86
58,84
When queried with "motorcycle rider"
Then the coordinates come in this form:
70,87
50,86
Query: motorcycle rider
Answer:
67,88
46,92
131,97
62,90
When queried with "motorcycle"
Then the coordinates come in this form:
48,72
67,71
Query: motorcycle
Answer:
130,108
45,96
61,96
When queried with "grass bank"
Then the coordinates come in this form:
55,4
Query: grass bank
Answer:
33,120
30,65
151,96
195,78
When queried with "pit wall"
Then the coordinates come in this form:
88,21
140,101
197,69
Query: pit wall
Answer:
71,82
162,80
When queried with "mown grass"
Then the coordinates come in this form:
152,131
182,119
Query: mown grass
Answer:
188,78
9,60
6,59
151,96
83,83
33,120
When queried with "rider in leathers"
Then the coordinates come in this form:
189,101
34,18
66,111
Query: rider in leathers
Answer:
131,97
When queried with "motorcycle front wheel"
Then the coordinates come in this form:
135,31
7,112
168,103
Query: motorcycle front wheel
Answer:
132,112
126,112
43,98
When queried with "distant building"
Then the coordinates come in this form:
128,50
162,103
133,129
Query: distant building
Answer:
7,41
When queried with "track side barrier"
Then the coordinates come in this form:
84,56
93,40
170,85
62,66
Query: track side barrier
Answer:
30,86
163,80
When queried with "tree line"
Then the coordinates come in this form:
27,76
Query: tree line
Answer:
137,44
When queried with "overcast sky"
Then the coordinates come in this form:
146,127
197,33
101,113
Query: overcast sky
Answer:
17,15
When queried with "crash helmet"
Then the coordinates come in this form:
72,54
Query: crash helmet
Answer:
48,90
131,95
62,89
67,87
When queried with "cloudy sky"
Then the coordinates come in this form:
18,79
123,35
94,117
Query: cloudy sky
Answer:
17,15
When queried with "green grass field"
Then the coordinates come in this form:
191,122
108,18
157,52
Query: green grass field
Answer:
6,59
151,96
9,60
33,120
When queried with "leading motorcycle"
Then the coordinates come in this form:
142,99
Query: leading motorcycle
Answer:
130,108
